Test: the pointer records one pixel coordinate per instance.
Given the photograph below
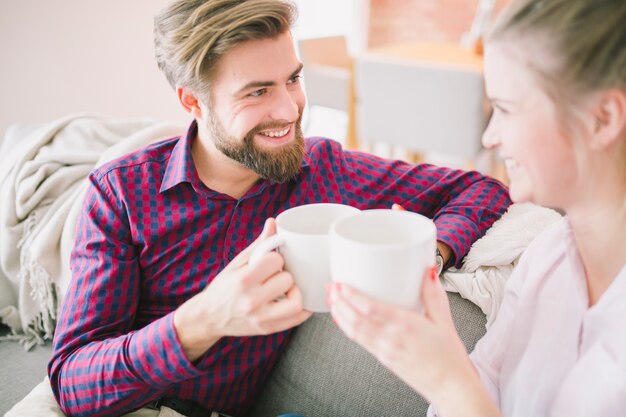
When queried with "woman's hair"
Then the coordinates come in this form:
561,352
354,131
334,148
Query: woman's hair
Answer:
587,38
582,50
190,36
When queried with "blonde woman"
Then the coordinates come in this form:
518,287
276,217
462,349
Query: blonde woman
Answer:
556,75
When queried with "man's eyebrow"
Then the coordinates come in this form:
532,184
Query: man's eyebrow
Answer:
297,71
261,84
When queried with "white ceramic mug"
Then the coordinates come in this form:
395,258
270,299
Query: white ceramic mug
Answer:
383,253
302,239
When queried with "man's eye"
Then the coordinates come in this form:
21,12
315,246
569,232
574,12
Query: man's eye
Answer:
258,93
295,79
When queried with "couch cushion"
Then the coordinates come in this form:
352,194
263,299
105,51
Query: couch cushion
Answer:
322,373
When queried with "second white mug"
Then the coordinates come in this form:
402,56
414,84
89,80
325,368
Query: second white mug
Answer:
384,253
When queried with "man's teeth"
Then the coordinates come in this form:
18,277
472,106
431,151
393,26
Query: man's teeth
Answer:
509,163
278,134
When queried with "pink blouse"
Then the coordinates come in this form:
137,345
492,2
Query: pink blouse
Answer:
548,353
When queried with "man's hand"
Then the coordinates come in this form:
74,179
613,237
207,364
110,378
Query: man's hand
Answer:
241,301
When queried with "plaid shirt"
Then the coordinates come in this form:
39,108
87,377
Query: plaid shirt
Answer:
151,235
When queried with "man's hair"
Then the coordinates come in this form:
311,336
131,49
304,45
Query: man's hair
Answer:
190,36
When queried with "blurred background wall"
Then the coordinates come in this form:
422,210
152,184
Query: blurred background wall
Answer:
421,20
66,56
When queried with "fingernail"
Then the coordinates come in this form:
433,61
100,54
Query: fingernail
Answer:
433,273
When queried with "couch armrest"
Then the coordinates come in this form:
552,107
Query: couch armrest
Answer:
322,373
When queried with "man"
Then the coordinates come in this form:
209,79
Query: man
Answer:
163,309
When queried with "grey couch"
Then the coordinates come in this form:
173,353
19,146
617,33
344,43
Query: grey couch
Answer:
321,373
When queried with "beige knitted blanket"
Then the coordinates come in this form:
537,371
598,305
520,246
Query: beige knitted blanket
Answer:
42,182
491,259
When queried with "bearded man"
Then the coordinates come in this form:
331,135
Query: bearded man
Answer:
164,310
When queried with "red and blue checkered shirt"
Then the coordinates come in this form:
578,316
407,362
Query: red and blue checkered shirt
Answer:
151,235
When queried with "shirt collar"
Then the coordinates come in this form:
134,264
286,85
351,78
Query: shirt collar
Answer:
180,167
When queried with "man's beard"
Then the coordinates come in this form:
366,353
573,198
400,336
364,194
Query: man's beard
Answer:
279,165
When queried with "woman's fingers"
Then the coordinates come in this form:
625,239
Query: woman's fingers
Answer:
434,298
358,327
366,320
365,305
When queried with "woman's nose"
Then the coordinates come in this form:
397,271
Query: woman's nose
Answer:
491,138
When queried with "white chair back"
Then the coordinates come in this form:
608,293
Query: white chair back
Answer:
327,71
422,106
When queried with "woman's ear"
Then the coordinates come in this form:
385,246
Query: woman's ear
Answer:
190,102
610,118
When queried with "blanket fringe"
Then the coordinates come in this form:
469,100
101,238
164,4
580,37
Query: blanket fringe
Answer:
43,290
30,338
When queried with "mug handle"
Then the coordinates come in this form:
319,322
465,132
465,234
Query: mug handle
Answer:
268,245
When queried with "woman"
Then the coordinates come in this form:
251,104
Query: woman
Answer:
555,73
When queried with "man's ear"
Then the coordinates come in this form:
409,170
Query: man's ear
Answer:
189,101
610,118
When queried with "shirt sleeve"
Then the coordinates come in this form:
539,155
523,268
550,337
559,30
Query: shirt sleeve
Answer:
100,366
462,204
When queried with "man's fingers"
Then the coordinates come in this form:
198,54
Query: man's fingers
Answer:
240,260
288,322
275,286
290,304
295,295
285,312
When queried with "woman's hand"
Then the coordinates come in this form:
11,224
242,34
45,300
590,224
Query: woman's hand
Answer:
424,350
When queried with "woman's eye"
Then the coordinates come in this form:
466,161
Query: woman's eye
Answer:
500,109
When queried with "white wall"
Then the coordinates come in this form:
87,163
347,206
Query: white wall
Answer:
320,18
63,56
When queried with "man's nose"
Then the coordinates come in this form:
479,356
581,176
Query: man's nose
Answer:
286,106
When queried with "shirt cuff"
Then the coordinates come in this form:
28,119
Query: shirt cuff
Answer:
158,355
458,233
